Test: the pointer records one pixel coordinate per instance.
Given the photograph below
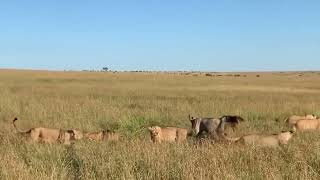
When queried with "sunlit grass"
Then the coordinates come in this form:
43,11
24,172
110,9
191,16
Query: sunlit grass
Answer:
129,102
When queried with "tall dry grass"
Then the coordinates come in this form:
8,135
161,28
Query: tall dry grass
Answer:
129,102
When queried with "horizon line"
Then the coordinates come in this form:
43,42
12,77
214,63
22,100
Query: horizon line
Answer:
141,71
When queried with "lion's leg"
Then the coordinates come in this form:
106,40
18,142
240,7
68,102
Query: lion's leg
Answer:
66,138
178,138
294,129
34,136
157,140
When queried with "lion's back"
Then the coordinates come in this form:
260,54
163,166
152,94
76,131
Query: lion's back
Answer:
111,136
169,133
306,124
181,134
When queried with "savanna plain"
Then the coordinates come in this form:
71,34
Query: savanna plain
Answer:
129,102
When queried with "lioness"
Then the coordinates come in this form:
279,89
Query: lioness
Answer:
306,124
213,126
103,135
265,140
49,135
169,134
292,120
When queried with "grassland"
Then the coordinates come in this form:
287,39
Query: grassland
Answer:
129,102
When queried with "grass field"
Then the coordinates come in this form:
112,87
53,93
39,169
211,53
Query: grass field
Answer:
129,102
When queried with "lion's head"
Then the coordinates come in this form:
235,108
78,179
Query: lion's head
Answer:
285,136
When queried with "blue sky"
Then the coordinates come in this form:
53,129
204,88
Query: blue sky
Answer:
246,35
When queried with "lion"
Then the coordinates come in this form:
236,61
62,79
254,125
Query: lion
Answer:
306,124
273,140
49,135
103,135
98,136
168,134
292,120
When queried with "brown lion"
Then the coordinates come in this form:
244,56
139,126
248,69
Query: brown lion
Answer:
264,140
103,135
169,134
306,124
49,135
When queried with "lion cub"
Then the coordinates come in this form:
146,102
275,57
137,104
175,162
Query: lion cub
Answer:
266,140
169,134
103,135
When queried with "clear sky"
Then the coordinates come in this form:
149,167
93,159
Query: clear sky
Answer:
230,35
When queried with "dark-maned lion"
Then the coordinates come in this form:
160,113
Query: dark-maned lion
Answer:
264,140
49,135
214,127
103,135
169,134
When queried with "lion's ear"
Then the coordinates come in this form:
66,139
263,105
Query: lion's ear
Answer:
192,117
150,128
70,131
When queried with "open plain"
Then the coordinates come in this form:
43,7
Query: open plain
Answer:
129,102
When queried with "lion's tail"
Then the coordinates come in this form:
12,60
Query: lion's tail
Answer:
16,128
